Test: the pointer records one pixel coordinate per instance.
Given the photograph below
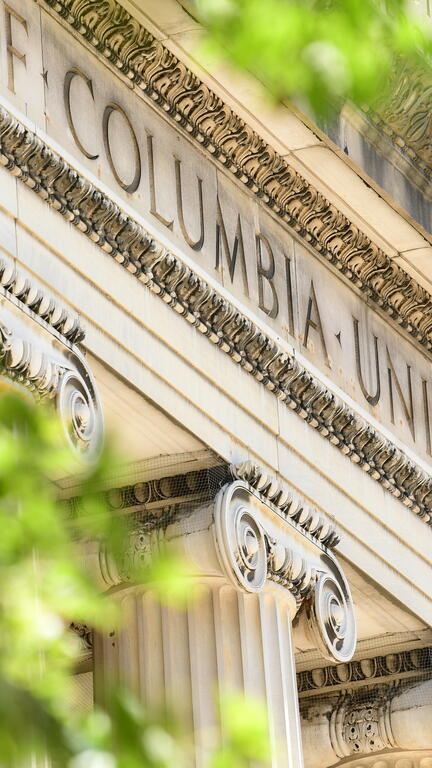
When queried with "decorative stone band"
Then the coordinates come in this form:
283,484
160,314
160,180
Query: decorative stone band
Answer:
17,285
405,121
45,364
414,663
180,95
239,538
149,500
100,219
394,716
287,501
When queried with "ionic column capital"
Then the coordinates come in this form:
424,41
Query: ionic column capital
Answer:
39,356
262,549
245,540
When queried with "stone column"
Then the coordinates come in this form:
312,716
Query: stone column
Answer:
256,568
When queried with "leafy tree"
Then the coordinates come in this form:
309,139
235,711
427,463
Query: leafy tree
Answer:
43,588
318,52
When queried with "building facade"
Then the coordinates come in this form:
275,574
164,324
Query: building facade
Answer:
243,300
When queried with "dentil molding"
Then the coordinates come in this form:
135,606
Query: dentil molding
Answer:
82,204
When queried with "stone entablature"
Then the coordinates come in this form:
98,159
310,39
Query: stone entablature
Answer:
280,280
126,241
178,94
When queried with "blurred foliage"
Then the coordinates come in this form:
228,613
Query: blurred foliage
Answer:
44,587
318,53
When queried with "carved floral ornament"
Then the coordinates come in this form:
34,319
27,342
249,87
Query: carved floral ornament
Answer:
37,356
30,159
240,538
405,120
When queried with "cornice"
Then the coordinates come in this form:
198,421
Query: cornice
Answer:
83,205
405,122
179,94
409,664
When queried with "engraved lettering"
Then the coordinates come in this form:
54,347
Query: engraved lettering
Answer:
291,326
133,185
266,273
372,399
238,248
427,416
11,13
70,75
196,245
408,411
316,323
152,184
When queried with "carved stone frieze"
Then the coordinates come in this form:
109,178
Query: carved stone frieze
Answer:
126,241
98,217
360,672
160,76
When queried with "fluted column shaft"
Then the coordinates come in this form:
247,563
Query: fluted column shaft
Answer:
223,641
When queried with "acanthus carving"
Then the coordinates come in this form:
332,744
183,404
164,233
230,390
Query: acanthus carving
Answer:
132,50
126,241
405,119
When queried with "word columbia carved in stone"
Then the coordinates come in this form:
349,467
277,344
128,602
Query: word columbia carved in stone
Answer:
227,232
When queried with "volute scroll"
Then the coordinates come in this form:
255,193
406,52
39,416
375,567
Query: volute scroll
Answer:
261,550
